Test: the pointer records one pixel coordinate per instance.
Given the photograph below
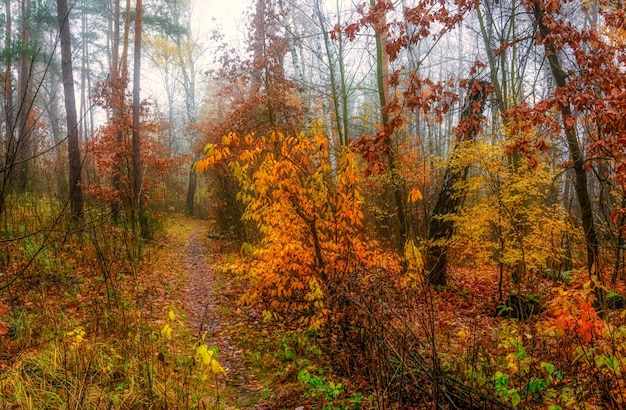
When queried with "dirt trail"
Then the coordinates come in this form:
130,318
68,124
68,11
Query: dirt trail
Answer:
205,309
199,300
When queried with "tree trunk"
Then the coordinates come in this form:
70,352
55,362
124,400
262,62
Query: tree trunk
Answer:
137,174
84,103
53,108
333,81
76,193
23,144
292,39
569,125
118,98
191,193
451,195
382,78
187,64
7,162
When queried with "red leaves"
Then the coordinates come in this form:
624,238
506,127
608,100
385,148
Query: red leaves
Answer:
351,30
589,324
374,150
572,314
393,48
478,65
569,121
4,309
394,79
442,14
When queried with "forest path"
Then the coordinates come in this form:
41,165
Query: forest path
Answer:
212,312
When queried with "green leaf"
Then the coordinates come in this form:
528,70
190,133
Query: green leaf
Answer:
515,398
289,355
502,380
304,376
536,385
549,367
612,363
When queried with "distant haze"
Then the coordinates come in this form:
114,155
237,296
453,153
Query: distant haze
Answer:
229,18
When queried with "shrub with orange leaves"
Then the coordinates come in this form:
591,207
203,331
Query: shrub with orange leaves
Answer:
572,314
311,255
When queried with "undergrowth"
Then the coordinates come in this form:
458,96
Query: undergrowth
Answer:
90,322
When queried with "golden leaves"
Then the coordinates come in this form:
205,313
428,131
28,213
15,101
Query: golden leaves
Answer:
309,214
207,358
414,196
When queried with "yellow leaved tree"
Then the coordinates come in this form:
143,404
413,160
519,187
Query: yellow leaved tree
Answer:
511,219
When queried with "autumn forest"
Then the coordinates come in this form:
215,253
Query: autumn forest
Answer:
392,204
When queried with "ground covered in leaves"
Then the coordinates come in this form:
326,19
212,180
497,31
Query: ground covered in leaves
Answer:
87,329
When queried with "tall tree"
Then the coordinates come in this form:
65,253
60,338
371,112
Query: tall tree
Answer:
118,79
6,165
187,52
571,135
76,193
338,87
379,9
451,195
137,172
23,145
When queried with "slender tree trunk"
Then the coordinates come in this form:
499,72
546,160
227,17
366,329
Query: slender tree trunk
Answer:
342,83
569,125
23,144
191,192
504,89
382,78
118,84
8,79
292,40
258,48
343,92
53,109
7,162
83,77
186,62
137,174
331,69
76,193
119,78
450,198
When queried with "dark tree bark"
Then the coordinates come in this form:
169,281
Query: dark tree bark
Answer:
137,174
382,79
117,86
23,144
191,193
569,125
451,196
6,163
76,193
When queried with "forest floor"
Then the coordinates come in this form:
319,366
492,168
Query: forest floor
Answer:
258,375
211,310
145,335
119,325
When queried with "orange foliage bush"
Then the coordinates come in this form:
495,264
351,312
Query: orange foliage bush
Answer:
311,253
